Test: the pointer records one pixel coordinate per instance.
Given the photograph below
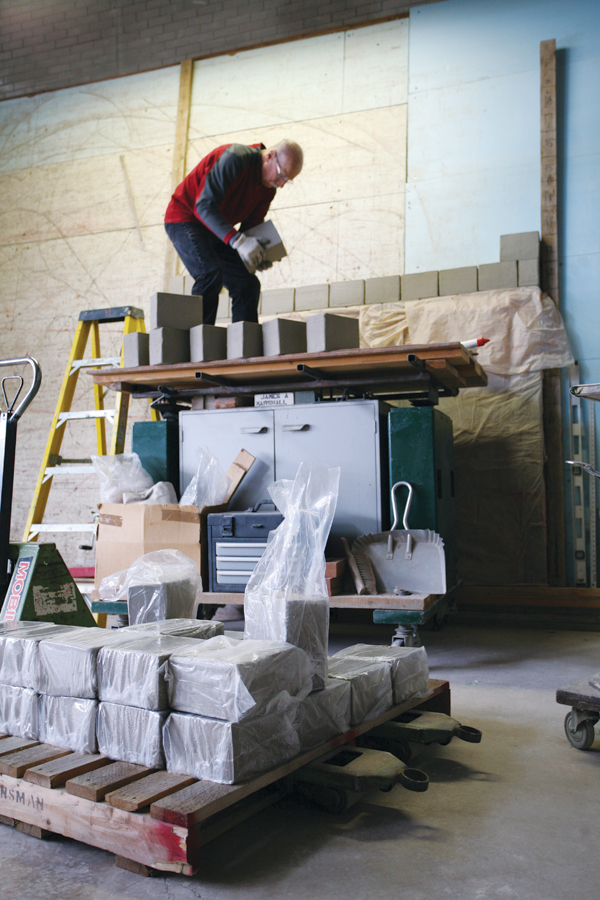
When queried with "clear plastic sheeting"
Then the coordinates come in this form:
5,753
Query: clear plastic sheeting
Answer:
131,734
68,722
209,485
67,663
408,665
19,652
323,714
119,473
161,493
19,625
164,584
229,752
371,686
18,712
229,679
133,673
286,597
201,629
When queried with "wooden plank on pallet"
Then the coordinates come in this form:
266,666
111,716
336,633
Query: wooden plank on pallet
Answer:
135,796
222,822
12,744
35,831
95,785
134,835
55,773
136,867
16,764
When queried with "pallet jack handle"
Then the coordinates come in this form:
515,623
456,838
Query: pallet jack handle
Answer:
15,414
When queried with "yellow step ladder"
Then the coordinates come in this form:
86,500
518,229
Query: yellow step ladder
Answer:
53,464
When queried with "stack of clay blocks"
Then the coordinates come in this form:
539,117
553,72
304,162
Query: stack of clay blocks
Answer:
171,318
524,250
244,340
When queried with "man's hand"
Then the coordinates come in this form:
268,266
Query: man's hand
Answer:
265,264
250,250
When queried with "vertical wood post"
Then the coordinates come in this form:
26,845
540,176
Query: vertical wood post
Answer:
179,152
554,467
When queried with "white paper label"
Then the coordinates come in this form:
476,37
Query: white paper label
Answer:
283,399
47,603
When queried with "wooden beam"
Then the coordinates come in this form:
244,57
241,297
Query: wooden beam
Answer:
554,467
179,153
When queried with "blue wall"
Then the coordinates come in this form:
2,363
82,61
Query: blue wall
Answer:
474,144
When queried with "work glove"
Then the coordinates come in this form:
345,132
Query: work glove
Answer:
265,264
249,248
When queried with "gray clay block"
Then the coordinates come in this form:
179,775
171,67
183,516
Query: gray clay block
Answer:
175,311
529,272
244,339
136,349
326,331
312,296
497,275
283,336
169,346
154,602
419,285
208,342
520,246
278,301
382,290
458,281
347,293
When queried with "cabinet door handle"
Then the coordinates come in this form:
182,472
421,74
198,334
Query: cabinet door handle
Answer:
304,427
254,429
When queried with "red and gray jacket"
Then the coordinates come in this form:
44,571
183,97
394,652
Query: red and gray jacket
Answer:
225,188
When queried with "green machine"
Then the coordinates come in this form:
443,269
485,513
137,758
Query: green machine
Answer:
421,451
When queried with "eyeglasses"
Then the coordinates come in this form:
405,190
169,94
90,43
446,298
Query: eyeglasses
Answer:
281,175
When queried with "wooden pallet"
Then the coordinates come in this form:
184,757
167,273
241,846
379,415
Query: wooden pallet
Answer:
150,820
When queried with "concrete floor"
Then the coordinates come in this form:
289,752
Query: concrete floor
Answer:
513,818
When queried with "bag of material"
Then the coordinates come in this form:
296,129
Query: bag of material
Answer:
66,665
228,679
161,493
133,672
209,485
229,752
200,629
371,686
323,714
119,473
19,649
131,734
164,584
18,712
408,665
68,722
286,597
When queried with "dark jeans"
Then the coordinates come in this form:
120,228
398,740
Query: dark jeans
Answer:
213,264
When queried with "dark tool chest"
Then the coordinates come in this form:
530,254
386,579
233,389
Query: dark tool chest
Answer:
236,541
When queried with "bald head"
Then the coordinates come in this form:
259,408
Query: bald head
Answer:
292,153
281,163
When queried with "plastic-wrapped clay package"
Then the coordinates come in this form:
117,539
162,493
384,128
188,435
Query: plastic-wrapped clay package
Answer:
323,714
228,679
164,584
229,752
201,629
131,734
67,663
371,686
18,624
18,712
19,652
68,723
133,672
286,597
119,473
409,667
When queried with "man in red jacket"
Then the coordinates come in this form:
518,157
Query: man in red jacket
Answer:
232,184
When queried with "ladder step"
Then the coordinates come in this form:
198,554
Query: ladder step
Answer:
116,314
90,363
39,529
86,414
53,471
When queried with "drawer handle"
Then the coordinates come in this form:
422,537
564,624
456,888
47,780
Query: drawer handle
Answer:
304,427
254,429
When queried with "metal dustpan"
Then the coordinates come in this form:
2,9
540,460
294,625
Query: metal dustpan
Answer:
411,560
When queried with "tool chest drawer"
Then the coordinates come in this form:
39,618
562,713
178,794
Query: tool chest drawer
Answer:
236,542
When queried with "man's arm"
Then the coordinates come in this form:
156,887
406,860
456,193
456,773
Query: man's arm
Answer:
229,166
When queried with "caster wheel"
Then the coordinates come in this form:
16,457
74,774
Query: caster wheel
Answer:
206,611
581,737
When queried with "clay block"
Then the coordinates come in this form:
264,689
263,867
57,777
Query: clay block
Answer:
382,290
130,734
18,711
283,336
326,331
409,666
497,275
419,285
323,714
525,245
169,346
529,272
175,311
244,339
312,296
370,683
278,301
136,349
347,293
167,600
68,723
458,281
208,342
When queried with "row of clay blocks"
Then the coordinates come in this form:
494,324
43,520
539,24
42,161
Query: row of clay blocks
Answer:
177,335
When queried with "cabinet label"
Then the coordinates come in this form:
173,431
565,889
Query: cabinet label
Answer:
283,399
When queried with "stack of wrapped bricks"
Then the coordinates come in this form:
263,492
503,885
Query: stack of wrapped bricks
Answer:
179,694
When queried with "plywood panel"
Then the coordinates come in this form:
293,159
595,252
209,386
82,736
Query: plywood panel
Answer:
384,80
